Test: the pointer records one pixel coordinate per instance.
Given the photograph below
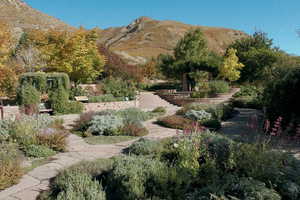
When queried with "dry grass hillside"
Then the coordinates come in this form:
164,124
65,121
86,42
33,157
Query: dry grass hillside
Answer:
21,16
146,38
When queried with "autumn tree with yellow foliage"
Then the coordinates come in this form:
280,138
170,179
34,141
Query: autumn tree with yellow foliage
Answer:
8,76
74,53
230,69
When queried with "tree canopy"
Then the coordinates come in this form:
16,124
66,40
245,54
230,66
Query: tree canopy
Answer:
73,53
230,69
257,54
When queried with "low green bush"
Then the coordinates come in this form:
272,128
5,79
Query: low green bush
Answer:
218,111
198,115
119,88
146,147
132,115
75,185
38,151
218,86
212,124
74,107
136,178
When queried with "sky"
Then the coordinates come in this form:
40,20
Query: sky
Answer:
280,19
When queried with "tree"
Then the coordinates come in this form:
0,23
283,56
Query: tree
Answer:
230,69
8,81
257,54
5,39
190,55
74,53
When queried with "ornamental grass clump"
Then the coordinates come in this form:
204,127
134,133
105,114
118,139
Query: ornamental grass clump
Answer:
10,165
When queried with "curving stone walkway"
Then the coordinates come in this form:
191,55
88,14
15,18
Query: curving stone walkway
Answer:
78,150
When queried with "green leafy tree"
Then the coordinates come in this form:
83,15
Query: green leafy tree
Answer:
257,54
230,69
190,55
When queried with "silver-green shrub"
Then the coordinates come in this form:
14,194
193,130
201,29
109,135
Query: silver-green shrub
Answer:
105,124
200,115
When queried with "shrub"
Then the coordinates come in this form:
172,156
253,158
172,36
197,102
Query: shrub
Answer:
134,129
53,139
29,98
196,115
5,127
175,121
38,151
218,111
136,178
104,98
146,147
59,99
218,87
82,124
75,185
132,115
10,165
74,107
281,99
105,125
248,90
119,88
212,124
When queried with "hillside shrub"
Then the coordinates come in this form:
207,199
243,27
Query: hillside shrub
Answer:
10,165
105,125
77,91
5,127
218,86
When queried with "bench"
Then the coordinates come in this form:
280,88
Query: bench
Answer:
43,111
82,98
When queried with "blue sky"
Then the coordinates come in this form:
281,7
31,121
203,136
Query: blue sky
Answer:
279,18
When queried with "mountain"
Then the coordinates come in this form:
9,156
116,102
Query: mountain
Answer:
21,16
145,38
137,42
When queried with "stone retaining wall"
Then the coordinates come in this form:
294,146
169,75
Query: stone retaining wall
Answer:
110,105
10,111
182,98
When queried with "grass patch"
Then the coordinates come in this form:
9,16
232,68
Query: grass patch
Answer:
108,139
36,163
